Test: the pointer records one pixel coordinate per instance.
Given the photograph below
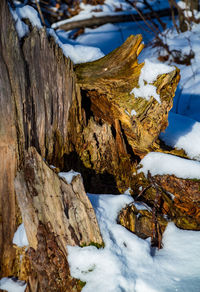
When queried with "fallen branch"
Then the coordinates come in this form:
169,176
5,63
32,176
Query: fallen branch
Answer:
40,12
97,21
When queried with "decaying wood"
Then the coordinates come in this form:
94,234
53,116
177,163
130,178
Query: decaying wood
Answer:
108,83
37,92
141,222
186,199
45,198
55,214
45,116
10,135
179,201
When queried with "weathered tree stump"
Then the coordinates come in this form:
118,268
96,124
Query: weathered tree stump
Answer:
108,83
39,99
72,117
114,139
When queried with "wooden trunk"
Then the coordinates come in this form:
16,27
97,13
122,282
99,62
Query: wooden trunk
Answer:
39,99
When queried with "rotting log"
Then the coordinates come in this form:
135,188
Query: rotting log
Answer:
107,103
142,223
167,198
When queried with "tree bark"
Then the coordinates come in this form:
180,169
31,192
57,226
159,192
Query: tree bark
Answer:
55,214
38,95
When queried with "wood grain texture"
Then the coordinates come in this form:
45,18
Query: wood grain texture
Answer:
55,214
108,83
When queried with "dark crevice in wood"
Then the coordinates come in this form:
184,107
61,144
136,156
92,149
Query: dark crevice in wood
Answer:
86,106
113,131
133,156
93,182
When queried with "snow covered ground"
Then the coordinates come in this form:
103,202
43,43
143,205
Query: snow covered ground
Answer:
126,264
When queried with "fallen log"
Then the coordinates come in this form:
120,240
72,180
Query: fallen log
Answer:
100,20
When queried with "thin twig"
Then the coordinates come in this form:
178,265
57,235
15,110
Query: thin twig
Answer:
40,12
155,239
155,14
173,16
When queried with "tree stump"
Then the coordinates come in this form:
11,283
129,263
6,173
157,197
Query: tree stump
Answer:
72,117
108,83
39,99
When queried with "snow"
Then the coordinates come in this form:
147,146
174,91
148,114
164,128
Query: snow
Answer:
183,133
149,73
20,238
25,12
21,28
12,285
126,263
109,8
68,176
187,98
182,4
81,54
88,11
77,53
186,10
160,163
29,12
133,113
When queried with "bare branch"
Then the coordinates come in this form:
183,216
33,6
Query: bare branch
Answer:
40,12
97,21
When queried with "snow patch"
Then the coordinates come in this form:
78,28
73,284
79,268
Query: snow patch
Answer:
183,133
20,238
126,263
68,176
12,285
77,53
162,164
26,11
29,12
149,74
133,113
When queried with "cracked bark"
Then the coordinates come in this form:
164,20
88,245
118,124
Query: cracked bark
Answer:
38,93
